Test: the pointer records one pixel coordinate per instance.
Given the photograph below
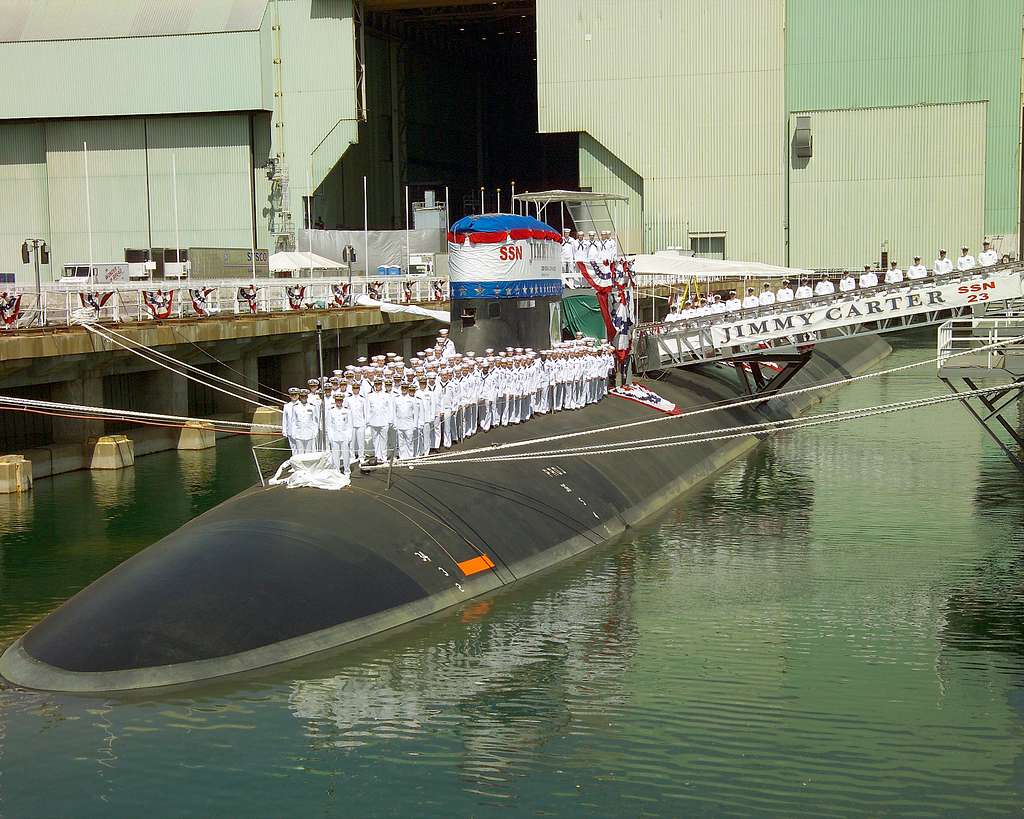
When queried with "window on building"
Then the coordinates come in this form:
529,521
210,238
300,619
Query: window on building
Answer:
708,245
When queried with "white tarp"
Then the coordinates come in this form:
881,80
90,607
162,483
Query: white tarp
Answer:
412,309
671,264
296,260
387,248
312,469
518,268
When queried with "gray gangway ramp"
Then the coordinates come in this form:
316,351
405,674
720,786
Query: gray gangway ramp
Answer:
786,332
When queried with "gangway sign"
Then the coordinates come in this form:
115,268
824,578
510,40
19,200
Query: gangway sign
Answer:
877,310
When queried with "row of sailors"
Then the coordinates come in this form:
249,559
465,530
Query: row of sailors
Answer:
696,308
587,247
426,409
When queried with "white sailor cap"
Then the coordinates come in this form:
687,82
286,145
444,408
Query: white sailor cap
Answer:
293,390
442,332
303,392
312,381
362,359
963,247
489,351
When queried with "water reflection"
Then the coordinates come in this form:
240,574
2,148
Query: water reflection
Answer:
113,488
503,682
197,468
16,513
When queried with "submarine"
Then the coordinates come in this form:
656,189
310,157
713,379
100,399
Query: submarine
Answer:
275,574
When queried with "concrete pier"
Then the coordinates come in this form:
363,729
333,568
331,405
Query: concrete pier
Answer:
267,353
111,452
15,474
197,435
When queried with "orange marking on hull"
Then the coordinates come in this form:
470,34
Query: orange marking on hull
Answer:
476,565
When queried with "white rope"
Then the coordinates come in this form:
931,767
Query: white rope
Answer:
444,456
158,363
795,423
31,403
105,332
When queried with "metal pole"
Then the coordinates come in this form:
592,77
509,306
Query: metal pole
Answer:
499,200
447,212
481,200
252,226
39,287
309,219
514,197
88,209
323,398
407,257
177,236
366,231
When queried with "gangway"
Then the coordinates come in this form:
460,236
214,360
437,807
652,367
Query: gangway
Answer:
987,351
789,330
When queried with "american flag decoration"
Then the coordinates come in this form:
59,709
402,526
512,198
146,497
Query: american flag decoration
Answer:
159,303
95,300
342,294
250,296
295,296
200,300
10,308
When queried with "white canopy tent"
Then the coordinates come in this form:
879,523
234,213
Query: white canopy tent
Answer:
285,262
672,264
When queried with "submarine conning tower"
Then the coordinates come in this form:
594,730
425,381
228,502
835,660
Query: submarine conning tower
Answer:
505,274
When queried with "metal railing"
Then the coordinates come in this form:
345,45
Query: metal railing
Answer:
124,302
957,338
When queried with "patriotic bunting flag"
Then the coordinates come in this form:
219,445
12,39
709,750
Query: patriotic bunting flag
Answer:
200,303
438,287
10,307
341,293
95,300
647,397
407,293
295,296
159,303
249,295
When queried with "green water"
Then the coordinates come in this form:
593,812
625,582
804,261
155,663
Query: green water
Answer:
832,626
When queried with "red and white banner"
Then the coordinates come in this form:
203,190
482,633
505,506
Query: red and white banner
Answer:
438,288
642,395
95,300
295,294
613,285
375,290
407,293
515,268
200,303
159,303
10,308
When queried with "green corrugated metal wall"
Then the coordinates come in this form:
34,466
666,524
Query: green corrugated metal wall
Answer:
925,190
873,53
212,158
117,189
23,198
601,170
687,93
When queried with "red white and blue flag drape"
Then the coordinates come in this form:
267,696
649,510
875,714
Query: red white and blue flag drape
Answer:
613,285
295,294
10,307
159,303
342,294
647,397
95,300
200,300
250,296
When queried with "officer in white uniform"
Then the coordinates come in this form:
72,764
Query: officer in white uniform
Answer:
339,434
942,265
380,415
784,293
717,306
965,260
917,270
767,297
847,283
988,256
751,299
356,403
868,278
824,287
893,275
568,251
407,421
305,424
286,418
803,290
447,345
732,304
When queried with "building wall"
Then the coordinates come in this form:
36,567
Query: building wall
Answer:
880,53
602,171
24,204
926,190
687,93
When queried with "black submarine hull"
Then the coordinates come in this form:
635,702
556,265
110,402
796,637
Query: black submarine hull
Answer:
272,575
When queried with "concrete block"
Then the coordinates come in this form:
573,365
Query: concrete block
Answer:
111,452
267,415
197,435
15,474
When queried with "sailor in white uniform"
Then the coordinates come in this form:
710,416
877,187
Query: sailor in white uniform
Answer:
868,278
286,418
732,304
784,293
943,264
447,345
305,425
824,287
407,420
988,256
380,415
339,434
750,300
568,251
893,275
917,270
767,297
847,283
356,403
965,261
